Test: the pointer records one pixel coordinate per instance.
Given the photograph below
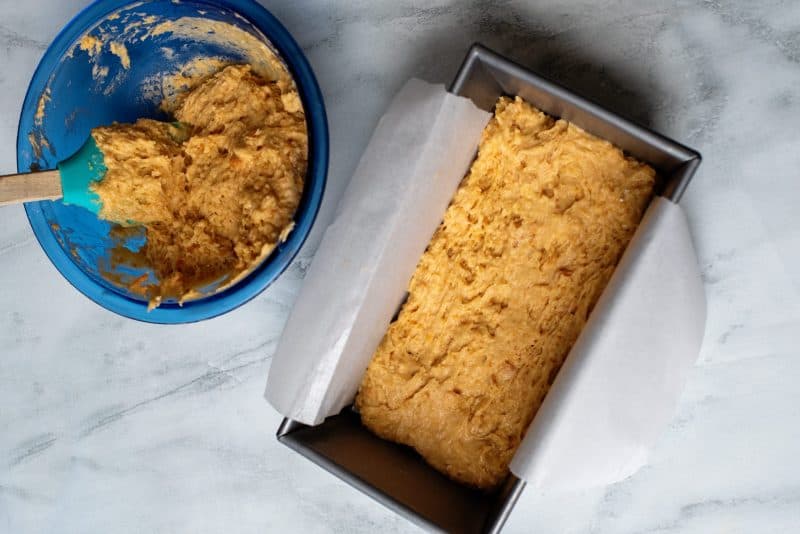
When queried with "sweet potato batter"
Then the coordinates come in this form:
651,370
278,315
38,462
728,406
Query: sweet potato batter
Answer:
216,190
502,292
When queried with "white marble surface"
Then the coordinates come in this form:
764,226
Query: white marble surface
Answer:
108,425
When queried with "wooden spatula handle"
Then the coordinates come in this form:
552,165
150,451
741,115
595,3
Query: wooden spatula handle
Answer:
18,188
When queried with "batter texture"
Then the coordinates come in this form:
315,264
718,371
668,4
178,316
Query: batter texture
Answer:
500,295
217,189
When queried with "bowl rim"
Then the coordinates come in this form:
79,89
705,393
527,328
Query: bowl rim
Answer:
273,266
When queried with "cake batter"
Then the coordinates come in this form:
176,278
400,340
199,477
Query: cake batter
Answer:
217,189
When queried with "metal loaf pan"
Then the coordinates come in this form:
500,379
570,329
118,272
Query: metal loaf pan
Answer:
395,475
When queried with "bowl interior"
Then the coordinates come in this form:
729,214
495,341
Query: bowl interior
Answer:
117,61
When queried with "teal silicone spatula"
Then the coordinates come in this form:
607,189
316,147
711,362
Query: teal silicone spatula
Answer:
70,181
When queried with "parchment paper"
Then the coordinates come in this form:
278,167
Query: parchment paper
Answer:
619,385
618,388
409,172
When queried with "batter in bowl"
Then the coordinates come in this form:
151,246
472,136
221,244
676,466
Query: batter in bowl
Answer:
216,190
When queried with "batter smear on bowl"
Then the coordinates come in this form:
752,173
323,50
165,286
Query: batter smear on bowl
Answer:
217,189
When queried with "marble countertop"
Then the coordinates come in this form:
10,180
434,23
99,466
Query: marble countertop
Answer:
110,425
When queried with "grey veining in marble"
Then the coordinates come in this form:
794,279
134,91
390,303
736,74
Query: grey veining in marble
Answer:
108,425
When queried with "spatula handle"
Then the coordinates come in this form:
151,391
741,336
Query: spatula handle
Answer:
18,188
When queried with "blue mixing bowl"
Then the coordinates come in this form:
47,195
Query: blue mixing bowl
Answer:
80,85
